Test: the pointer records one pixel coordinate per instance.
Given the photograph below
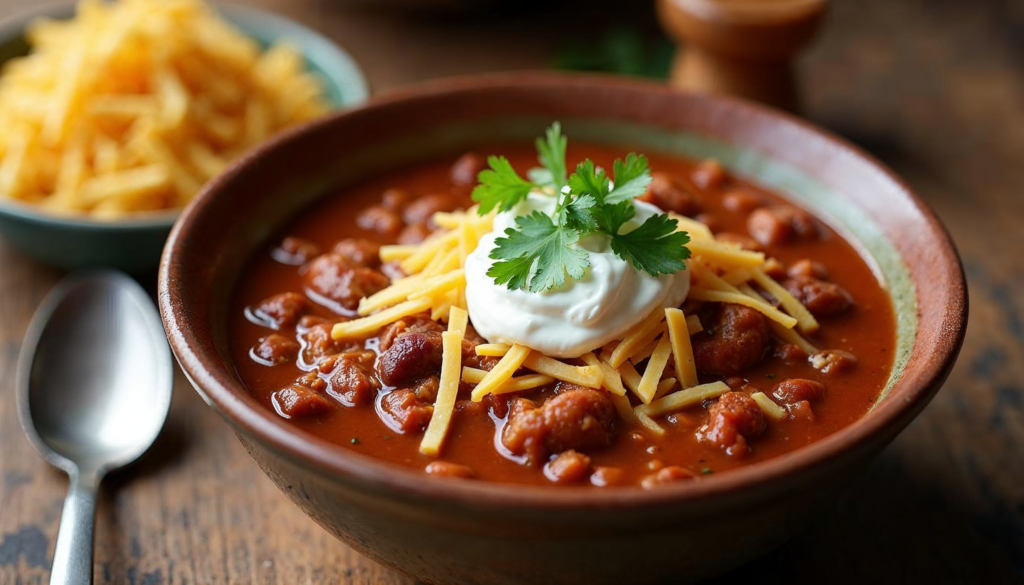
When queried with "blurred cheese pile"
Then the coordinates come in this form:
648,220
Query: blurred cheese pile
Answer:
131,106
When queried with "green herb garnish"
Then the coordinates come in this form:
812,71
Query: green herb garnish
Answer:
354,441
706,471
538,253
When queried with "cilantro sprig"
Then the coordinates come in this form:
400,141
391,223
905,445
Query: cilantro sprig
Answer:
538,253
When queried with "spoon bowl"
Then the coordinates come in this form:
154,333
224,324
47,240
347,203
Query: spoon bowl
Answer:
94,390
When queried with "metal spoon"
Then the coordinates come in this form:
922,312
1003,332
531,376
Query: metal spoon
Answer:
94,389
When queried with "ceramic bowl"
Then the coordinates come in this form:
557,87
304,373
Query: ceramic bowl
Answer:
134,244
475,532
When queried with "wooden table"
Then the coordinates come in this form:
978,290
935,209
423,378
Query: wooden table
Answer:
936,89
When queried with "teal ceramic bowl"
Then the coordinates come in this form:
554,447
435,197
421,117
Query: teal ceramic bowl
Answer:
134,245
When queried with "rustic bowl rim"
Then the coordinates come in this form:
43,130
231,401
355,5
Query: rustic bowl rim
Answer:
217,384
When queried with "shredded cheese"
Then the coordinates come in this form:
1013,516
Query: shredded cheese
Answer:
630,377
587,376
693,325
515,384
636,338
366,325
665,386
719,296
440,285
492,349
655,368
791,336
724,254
768,406
650,424
682,399
427,251
448,389
502,371
695,228
396,252
458,320
611,382
682,350
805,321
520,383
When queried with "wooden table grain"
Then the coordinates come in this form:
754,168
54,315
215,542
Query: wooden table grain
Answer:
933,88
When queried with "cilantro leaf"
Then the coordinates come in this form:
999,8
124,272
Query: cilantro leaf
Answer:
611,216
578,215
655,247
537,256
551,154
588,180
500,186
541,177
631,178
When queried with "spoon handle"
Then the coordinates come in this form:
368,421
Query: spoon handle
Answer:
72,558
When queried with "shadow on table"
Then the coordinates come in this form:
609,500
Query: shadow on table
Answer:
897,527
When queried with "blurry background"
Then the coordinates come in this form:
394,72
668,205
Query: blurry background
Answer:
935,88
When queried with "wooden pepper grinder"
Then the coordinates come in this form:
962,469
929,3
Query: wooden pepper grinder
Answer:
740,47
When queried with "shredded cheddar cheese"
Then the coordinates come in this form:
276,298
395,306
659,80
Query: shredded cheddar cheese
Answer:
768,406
502,371
682,350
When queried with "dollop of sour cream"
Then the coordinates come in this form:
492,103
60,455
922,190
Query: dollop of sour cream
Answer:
582,315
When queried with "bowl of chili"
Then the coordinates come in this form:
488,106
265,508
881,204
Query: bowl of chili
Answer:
329,408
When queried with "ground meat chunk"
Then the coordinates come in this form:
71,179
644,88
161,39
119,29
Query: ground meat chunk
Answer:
796,390
412,355
742,201
426,389
733,420
418,322
466,169
359,251
605,476
781,224
413,234
275,349
667,194
708,174
821,298
298,401
576,419
380,219
832,361
422,209
281,310
734,338
448,469
395,198
340,280
790,353
317,343
809,269
408,414
665,476
801,411
351,379
295,251
568,467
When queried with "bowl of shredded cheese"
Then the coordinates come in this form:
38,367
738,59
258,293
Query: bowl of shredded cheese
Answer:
114,115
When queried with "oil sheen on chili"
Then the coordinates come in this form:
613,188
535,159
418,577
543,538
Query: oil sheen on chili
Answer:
314,273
